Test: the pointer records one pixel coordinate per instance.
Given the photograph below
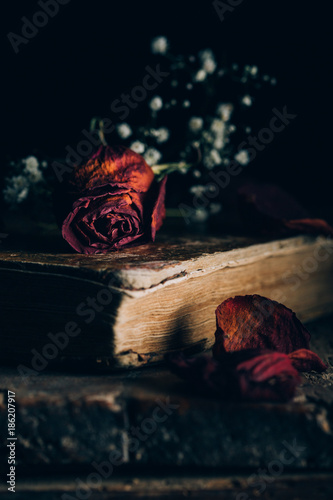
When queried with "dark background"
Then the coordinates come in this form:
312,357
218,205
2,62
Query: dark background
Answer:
92,51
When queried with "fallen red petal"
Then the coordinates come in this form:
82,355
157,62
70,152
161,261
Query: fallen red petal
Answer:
263,377
305,361
311,226
255,322
269,376
267,208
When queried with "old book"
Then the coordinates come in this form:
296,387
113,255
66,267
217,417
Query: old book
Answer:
129,308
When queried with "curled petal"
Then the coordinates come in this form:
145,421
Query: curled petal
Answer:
266,208
269,376
158,214
305,361
118,165
263,377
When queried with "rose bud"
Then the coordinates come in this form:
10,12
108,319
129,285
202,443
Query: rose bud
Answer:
112,200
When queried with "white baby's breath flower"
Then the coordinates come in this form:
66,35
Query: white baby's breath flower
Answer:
183,167
206,54
152,156
219,143
16,190
195,124
186,104
32,169
137,147
159,45
200,76
273,81
212,159
124,130
247,100
209,65
162,134
156,103
217,126
215,208
254,70
198,190
31,162
44,164
224,111
242,157
208,137
200,215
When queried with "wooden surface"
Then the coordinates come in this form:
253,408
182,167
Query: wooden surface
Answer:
298,486
147,266
164,295
205,447
71,419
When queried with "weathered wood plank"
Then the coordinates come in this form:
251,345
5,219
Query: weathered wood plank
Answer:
153,298
151,418
306,486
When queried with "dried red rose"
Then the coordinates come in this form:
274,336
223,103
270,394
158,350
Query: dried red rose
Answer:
246,376
255,322
113,201
266,208
305,361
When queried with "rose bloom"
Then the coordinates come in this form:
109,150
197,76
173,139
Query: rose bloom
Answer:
111,201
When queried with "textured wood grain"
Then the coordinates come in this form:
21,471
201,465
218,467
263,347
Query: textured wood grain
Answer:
306,486
163,295
67,421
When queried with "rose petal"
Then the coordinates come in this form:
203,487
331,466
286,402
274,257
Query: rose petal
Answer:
263,377
268,377
311,226
266,208
305,361
255,322
158,214
116,164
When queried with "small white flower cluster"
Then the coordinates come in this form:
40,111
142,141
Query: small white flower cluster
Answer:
124,130
156,103
208,65
159,45
246,100
28,174
195,124
203,126
242,157
211,137
152,156
161,134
